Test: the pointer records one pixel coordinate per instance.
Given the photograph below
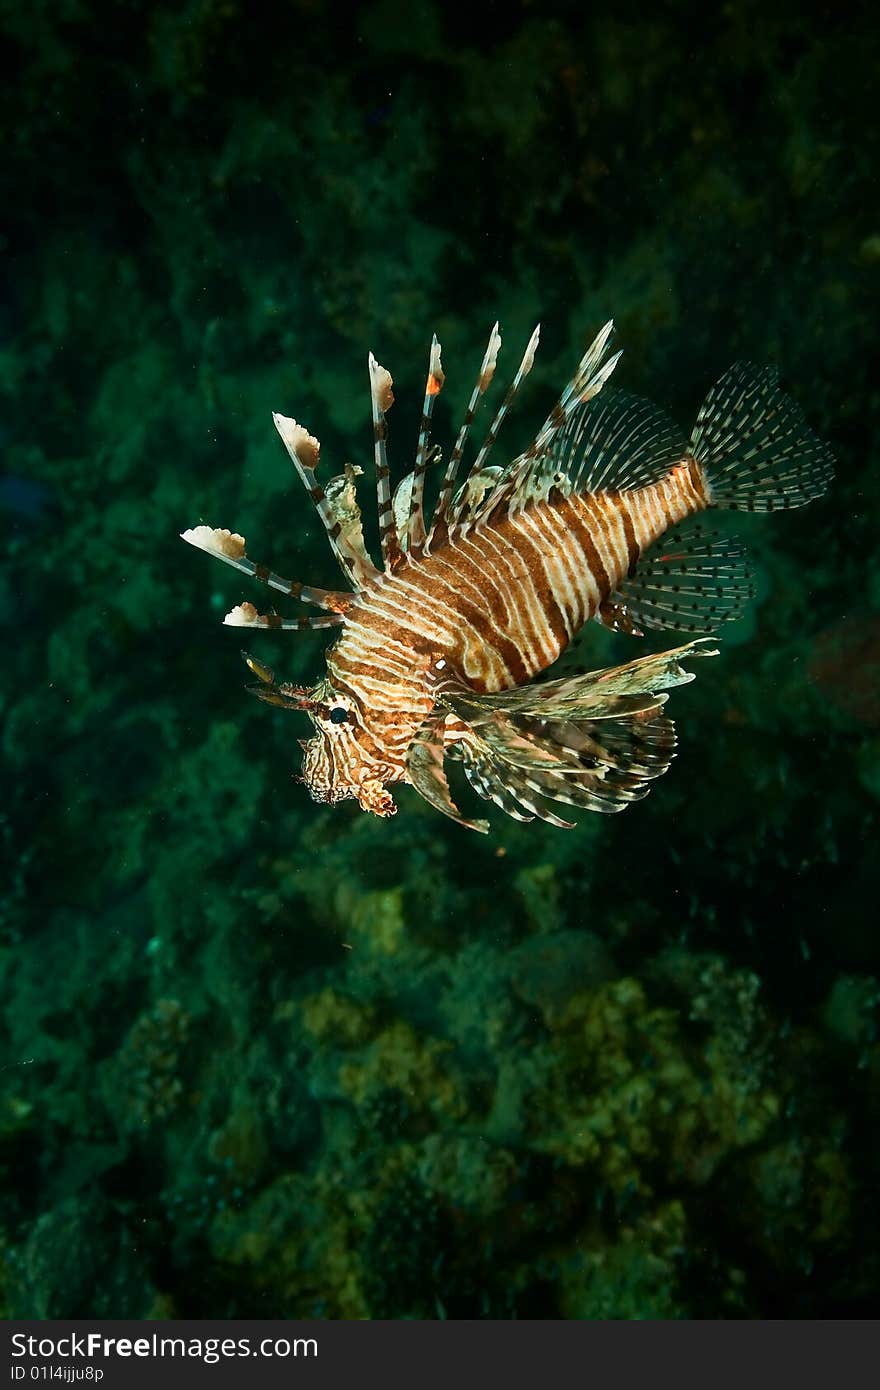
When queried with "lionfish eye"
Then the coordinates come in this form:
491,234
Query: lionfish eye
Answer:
338,715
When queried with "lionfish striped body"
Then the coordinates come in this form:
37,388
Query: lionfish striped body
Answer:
438,649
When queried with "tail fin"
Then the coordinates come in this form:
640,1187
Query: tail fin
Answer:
757,451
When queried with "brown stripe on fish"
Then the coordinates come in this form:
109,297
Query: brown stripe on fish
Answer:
611,534
469,545
472,612
633,549
518,555
657,506
577,582
508,562
466,560
417,616
404,602
568,581
696,478
583,522
588,571
551,587
532,589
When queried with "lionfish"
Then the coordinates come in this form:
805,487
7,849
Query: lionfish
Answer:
438,648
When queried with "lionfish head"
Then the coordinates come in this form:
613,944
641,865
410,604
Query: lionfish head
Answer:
337,762
342,760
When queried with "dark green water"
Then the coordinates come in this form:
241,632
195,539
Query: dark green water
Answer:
265,1057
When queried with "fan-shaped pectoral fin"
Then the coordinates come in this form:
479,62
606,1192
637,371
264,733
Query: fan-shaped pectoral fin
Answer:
636,687
596,740
424,771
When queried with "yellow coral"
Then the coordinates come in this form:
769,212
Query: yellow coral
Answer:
330,1017
628,1087
400,1059
379,918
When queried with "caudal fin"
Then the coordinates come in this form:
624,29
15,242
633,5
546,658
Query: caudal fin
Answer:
757,450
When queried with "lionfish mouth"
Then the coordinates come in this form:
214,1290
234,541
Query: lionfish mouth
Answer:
328,796
369,792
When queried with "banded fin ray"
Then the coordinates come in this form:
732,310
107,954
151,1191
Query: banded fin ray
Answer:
756,448
631,688
411,530
583,749
382,399
229,547
595,740
305,451
439,521
622,441
525,791
531,474
642,742
486,782
598,767
246,615
691,582
480,469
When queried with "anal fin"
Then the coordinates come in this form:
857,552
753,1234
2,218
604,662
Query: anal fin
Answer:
691,581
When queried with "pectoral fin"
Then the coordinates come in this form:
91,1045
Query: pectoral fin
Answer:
595,741
632,688
600,767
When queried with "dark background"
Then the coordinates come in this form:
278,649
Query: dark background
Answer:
266,1058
